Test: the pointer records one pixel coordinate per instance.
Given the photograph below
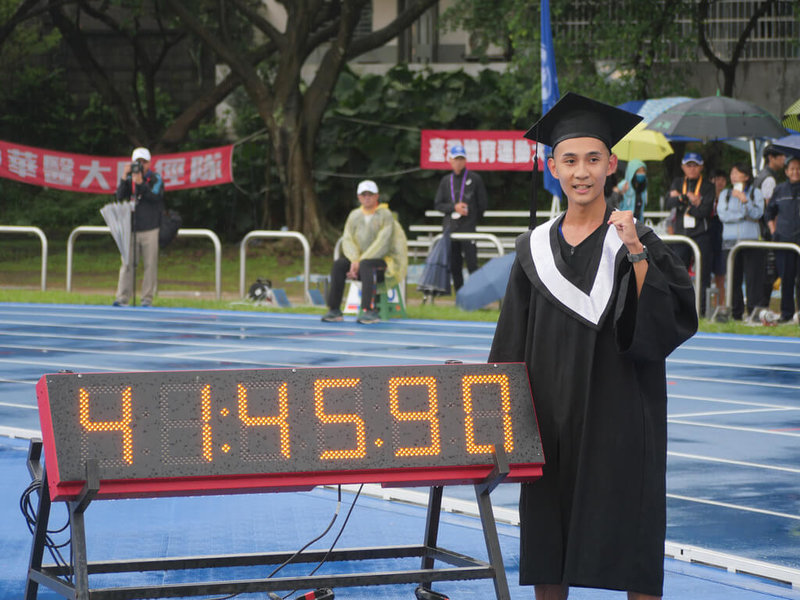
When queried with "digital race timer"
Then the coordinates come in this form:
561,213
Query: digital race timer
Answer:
186,432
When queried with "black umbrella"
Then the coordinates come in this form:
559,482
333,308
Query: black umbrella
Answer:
717,118
435,279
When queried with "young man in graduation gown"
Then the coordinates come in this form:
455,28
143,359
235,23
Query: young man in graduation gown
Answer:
595,303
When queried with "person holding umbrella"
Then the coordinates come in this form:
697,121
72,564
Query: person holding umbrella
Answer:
595,303
462,197
146,189
692,197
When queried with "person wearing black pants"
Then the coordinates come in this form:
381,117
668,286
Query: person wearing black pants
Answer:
783,218
692,197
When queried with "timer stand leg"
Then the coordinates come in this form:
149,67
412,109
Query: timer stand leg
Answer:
42,519
431,529
482,495
77,508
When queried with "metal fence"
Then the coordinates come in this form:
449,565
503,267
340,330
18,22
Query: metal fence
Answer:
42,237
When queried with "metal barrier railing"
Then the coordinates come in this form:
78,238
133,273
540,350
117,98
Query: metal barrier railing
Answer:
207,233
683,239
470,235
750,244
265,234
42,238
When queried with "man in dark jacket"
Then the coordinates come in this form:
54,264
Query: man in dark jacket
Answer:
146,189
692,197
462,198
783,217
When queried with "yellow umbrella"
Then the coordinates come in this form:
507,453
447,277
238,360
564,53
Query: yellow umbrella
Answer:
791,116
643,144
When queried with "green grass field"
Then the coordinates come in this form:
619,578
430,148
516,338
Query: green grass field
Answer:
186,279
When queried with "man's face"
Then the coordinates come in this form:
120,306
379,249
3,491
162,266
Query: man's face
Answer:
368,200
581,166
692,170
793,170
458,163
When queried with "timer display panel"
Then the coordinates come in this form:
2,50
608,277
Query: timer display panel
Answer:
272,429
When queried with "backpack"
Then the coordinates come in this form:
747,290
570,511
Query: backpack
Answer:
168,229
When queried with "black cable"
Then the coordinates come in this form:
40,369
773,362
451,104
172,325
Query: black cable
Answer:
28,509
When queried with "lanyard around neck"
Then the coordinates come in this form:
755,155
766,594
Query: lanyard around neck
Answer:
696,188
452,189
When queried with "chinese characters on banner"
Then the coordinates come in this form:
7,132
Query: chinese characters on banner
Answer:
486,150
100,175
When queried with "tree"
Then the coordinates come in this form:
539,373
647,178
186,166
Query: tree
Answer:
271,75
728,68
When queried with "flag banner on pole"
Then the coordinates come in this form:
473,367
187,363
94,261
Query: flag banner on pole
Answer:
550,94
486,150
100,174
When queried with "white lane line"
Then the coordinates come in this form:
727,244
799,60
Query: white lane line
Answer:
727,401
14,405
713,413
761,511
732,365
743,382
738,463
750,351
734,428
23,381
745,338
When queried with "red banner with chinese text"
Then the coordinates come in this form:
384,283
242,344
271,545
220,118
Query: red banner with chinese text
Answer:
100,174
486,150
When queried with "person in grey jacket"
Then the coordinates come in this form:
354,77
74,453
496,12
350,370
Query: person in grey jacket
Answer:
783,218
740,208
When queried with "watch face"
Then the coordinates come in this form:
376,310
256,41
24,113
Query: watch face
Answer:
194,431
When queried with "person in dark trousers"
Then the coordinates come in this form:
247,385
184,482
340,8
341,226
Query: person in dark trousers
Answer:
375,250
692,196
766,180
462,197
783,218
740,209
595,302
146,189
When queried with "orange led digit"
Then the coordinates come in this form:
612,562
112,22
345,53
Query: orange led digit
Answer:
360,451
505,403
205,415
281,420
431,415
123,425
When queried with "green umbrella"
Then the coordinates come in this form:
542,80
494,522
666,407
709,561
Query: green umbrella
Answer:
791,116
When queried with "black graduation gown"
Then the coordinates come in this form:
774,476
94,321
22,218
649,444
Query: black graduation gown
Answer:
596,361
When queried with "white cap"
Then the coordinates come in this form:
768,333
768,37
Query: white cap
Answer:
142,153
367,186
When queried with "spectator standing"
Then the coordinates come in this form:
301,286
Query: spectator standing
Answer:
718,267
634,189
462,197
740,209
783,218
766,180
595,302
692,197
374,249
146,189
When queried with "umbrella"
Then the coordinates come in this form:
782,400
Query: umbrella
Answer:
789,144
650,109
791,116
487,284
117,216
643,144
435,278
717,118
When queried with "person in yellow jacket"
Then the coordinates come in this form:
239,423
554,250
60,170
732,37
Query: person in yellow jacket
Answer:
374,249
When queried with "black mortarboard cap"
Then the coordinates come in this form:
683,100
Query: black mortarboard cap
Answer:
577,116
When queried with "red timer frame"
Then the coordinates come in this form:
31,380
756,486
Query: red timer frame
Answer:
192,432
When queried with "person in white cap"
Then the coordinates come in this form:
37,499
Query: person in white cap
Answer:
374,249
146,188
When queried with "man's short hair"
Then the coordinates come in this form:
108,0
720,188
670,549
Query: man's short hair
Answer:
771,151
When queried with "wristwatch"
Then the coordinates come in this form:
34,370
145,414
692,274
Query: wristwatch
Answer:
634,258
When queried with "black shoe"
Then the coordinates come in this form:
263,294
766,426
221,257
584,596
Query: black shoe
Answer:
368,317
333,316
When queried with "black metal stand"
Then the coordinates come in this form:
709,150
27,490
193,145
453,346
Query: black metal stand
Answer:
460,567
